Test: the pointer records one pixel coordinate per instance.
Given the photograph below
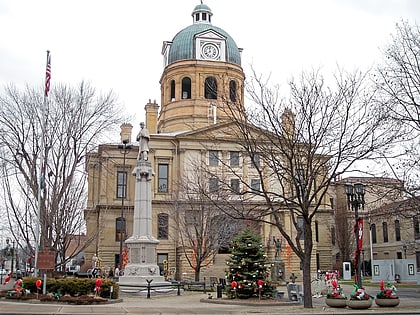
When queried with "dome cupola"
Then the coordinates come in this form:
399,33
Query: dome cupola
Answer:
202,80
202,14
201,41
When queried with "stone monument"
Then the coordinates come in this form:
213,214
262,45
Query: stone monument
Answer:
142,267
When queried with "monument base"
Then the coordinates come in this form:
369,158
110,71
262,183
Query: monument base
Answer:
137,277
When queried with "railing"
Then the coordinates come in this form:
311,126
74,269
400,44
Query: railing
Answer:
177,285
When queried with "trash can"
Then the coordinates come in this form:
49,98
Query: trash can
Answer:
219,289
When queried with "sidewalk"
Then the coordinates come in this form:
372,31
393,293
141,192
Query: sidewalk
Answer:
199,303
196,303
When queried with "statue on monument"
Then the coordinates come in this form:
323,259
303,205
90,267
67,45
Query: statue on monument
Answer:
277,243
143,138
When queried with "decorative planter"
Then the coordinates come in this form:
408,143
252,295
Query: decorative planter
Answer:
387,302
336,302
359,304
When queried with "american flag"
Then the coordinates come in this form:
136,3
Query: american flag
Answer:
48,74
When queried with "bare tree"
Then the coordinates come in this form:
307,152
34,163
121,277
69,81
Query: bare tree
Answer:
297,148
343,233
76,120
398,81
203,229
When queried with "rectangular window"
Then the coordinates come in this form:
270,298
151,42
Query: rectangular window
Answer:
121,184
385,231
119,229
256,185
234,185
213,184
256,160
333,235
316,232
299,181
234,159
299,228
163,178
213,158
163,226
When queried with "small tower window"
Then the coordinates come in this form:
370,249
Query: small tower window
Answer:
232,91
186,88
172,90
210,87
204,16
197,16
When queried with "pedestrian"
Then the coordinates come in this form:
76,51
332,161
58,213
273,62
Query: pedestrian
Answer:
117,272
111,273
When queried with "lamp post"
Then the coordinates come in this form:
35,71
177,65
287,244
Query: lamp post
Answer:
356,200
124,147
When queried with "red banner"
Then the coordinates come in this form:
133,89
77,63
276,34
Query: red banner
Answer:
359,234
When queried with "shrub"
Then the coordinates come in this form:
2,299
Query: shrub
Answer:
73,286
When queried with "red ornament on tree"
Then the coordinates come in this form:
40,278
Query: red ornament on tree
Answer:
234,284
38,284
260,283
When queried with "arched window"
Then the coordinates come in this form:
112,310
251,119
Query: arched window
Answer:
172,90
397,230
163,226
186,88
232,91
373,228
210,88
385,231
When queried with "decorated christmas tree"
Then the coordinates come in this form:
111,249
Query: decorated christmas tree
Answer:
247,273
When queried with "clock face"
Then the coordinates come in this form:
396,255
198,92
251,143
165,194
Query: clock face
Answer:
210,51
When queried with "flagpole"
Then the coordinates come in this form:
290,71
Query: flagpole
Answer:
41,180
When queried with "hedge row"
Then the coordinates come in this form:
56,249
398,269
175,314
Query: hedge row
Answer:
73,286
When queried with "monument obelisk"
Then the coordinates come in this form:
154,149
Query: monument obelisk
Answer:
142,266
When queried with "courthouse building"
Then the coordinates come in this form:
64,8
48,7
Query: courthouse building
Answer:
201,76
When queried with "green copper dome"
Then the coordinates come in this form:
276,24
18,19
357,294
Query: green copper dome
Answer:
183,44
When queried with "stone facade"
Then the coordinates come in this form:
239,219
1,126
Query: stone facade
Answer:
198,97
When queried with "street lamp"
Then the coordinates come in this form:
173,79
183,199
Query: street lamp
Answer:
124,147
356,199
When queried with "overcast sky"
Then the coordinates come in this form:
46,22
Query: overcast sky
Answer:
117,44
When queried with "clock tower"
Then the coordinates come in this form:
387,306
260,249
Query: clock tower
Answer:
203,81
